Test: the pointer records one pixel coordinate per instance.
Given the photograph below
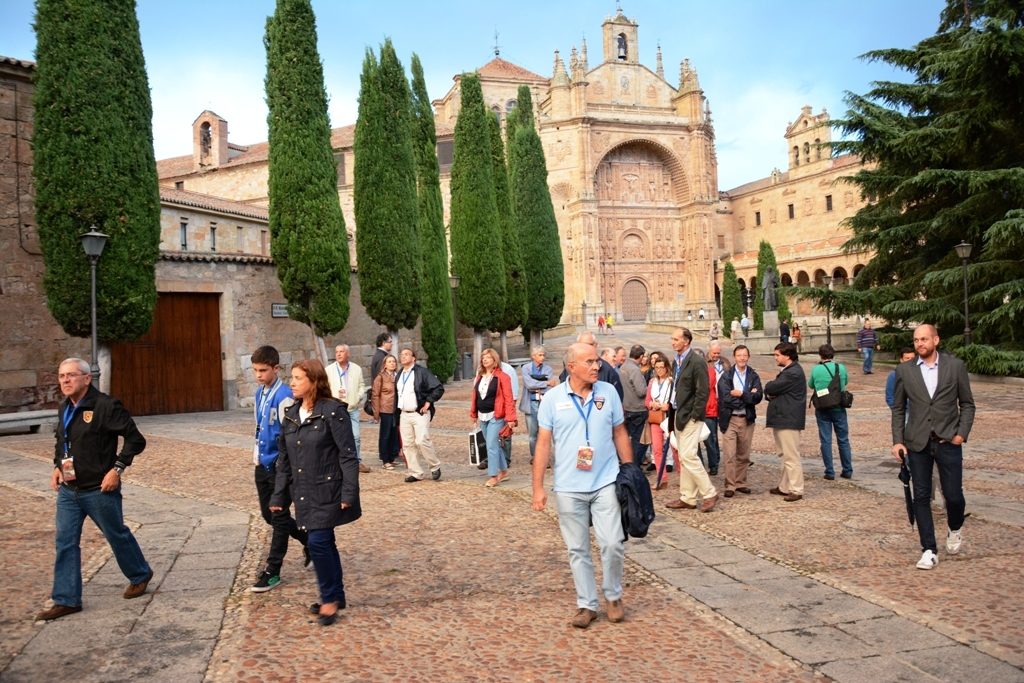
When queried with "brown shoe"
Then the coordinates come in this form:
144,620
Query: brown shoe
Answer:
616,612
743,489
364,469
679,505
792,498
777,492
56,612
137,589
709,504
729,494
583,617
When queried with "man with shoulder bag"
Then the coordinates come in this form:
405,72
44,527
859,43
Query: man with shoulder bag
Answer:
830,399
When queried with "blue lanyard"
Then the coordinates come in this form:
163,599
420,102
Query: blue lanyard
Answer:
69,415
405,380
576,401
261,409
341,375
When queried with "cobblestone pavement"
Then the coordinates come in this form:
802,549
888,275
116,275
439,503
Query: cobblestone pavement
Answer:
451,581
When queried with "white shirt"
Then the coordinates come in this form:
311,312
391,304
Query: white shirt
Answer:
930,375
485,383
405,384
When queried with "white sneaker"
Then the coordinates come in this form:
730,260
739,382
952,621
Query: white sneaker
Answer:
928,560
953,541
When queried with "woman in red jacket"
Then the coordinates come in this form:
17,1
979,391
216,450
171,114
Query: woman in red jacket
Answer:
493,408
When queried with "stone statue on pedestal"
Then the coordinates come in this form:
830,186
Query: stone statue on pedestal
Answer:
768,285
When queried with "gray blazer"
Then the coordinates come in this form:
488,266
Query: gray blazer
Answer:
948,413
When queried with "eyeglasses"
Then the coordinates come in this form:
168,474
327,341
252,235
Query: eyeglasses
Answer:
588,363
71,375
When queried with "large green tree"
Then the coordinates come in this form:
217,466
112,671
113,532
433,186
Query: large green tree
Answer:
732,300
94,165
538,231
944,163
766,259
307,229
387,244
522,115
476,235
514,314
438,322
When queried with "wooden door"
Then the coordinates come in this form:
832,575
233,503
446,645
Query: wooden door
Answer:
634,301
176,366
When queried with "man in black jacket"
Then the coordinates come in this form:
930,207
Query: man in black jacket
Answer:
418,390
605,372
787,414
87,478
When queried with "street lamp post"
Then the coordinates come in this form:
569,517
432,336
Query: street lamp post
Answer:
963,250
453,280
93,243
828,310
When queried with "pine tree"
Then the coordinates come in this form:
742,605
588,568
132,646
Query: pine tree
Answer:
438,326
538,230
732,300
307,230
476,236
387,243
94,165
765,258
944,157
515,276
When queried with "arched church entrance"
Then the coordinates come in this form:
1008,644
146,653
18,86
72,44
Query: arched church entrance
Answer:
634,301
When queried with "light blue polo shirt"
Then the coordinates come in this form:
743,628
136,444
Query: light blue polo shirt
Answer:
559,413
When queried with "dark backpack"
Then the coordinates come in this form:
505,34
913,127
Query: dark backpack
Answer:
835,398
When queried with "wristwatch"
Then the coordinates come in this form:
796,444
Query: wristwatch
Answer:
119,470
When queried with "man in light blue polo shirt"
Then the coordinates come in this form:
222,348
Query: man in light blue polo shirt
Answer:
584,419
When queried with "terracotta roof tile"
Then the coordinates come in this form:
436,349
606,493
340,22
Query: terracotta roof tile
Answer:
210,258
500,68
14,61
205,201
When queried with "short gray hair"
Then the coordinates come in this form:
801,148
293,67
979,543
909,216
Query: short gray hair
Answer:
82,365
537,349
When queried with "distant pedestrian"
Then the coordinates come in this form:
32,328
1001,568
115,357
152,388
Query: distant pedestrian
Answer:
831,419
645,367
600,324
784,332
538,378
608,322
491,406
347,386
787,412
582,417
745,326
932,415
383,350
385,396
734,329
619,358
272,399
714,332
795,336
418,391
318,470
605,372
86,475
701,314
739,392
867,341
659,396
634,389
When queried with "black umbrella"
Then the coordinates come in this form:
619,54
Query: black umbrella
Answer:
905,478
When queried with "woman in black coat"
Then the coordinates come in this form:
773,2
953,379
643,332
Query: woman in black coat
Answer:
318,463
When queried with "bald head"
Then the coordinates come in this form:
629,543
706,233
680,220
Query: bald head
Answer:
581,363
586,338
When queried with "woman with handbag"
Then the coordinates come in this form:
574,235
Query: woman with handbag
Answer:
659,396
493,407
318,465
384,397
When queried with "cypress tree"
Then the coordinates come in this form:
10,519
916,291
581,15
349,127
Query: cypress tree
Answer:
438,325
522,115
387,243
538,230
307,230
765,258
732,301
94,165
515,277
476,236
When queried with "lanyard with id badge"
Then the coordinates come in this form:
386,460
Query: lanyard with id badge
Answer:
585,454
67,463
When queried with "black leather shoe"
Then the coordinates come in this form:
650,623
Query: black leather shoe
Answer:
436,474
847,475
482,465
830,477
327,619
713,471
410,479
314,608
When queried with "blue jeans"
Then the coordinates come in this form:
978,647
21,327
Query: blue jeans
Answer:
869,355
827,420
576,512
532,426
635,423
949,459
354,418
711,444
327,563
105,510
495,453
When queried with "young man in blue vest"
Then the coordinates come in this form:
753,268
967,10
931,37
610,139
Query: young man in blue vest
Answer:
272,397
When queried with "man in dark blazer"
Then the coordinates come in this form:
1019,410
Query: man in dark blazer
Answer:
786,417
689,402
932,414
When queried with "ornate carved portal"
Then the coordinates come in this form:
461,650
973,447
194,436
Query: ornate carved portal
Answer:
640,234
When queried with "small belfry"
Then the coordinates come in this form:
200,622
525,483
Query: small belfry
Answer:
620,39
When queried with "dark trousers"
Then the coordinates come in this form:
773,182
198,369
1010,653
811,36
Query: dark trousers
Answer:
388,444
711,445
950,461
635,423
283,524
327,563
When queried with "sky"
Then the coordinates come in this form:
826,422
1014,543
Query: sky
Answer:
758,61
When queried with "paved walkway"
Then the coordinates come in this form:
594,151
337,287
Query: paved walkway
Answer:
451,581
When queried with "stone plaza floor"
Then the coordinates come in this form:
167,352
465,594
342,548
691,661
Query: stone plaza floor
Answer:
450,581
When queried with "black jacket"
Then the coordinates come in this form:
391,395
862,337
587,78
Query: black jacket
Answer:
787,399
605,373
427,388
634,494
92,438
317,462
375,364
691,390
753,394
